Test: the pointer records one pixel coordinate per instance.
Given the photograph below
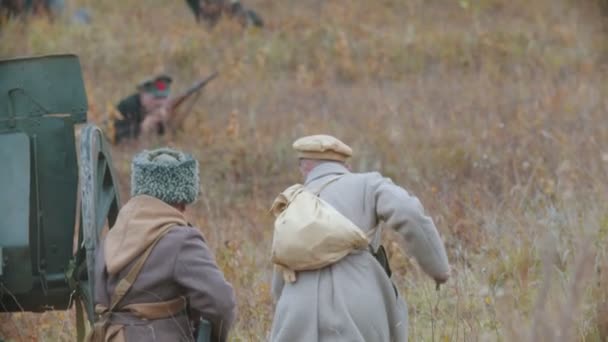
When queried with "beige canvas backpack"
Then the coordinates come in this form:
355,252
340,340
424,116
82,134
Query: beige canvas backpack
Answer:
309,233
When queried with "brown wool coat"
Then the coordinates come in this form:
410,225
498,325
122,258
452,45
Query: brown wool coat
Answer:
353,299
181,264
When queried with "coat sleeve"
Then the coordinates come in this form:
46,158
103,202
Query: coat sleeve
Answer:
128,125
207,291
404,213
130,108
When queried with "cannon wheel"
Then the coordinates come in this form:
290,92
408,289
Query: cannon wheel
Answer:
100,202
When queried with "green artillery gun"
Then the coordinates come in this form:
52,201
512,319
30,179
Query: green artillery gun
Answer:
50,197
54,201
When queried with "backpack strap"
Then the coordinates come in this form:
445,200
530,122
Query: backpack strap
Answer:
318,192
103,330
125,284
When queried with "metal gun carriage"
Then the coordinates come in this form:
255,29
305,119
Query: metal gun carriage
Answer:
54,201
57,193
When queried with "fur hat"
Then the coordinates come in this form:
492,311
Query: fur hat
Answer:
169,175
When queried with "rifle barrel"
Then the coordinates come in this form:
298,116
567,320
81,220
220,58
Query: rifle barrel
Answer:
178,100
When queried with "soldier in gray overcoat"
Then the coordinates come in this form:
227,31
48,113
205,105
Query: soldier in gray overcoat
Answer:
354,298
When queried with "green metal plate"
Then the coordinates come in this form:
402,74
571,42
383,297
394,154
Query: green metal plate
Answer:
41,98
53,186
15,194
56,170
17,273
38,86
14,211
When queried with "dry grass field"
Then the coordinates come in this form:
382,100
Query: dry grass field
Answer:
493,112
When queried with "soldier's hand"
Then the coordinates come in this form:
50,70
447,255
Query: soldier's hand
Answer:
151,122
441,280
164,114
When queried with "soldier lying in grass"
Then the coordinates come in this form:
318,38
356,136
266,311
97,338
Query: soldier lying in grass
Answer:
141,112
150,110
210,11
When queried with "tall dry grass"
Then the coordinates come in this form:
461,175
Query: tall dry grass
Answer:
492,112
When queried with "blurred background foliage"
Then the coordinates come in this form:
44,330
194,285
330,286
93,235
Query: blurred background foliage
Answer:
492,112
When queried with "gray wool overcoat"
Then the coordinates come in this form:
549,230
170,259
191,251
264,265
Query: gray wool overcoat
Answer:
353,299
180,264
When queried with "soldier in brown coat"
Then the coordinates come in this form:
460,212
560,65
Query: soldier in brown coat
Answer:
173,272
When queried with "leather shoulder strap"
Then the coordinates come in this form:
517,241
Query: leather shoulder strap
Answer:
124,285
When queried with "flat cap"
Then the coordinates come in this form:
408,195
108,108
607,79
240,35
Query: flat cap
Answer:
323,147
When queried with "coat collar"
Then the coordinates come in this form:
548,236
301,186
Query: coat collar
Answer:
325,169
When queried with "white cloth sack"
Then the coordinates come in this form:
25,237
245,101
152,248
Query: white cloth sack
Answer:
309,233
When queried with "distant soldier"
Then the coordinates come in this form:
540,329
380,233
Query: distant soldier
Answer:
143,111
210,11
151,109
354,298
50,8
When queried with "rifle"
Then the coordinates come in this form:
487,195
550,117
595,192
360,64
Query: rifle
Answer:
174,117
204,331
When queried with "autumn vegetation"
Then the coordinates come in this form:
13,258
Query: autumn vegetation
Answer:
493,112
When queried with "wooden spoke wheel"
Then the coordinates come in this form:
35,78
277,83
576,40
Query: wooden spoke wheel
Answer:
100,202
